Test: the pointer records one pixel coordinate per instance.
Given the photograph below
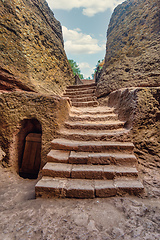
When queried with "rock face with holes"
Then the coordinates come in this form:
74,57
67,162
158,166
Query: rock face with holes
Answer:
32,51
92,157
133,47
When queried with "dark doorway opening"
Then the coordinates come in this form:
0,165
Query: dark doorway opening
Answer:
29,148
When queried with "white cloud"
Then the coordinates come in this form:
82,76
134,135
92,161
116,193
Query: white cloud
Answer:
76,42
86,69
84,65
90,8
77,29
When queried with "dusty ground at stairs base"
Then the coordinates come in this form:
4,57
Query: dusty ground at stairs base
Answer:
23,217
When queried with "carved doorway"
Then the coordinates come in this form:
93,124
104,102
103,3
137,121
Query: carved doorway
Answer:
29,148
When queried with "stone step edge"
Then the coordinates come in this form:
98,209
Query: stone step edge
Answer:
96,123
84,171
92,132
91,135
83,99
79,95
92,101
73,188
91,96
82,90
93,125
82,86
58,156
85,104
78,113
82,116
90,146
91,118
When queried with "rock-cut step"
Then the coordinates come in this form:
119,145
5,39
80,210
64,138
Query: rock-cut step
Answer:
91,111
75,188
91,117
120,134
85,104
83,171
69,93
76,90
58,156
79,95
82,86
97,158
109,125
91,146
83,99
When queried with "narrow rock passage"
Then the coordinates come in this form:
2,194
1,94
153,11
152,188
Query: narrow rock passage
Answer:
92,157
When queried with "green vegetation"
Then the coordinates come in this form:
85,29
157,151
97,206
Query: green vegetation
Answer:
97,68
75,68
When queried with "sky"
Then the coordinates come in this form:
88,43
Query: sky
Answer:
84,26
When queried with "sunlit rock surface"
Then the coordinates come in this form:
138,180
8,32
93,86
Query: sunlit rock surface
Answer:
133,47
32,52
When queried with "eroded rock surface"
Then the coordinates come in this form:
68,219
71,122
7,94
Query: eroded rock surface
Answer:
2,154
22,113
32,52
140,108
133,47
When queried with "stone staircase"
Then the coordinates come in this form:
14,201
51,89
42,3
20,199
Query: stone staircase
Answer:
92,156
82,95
